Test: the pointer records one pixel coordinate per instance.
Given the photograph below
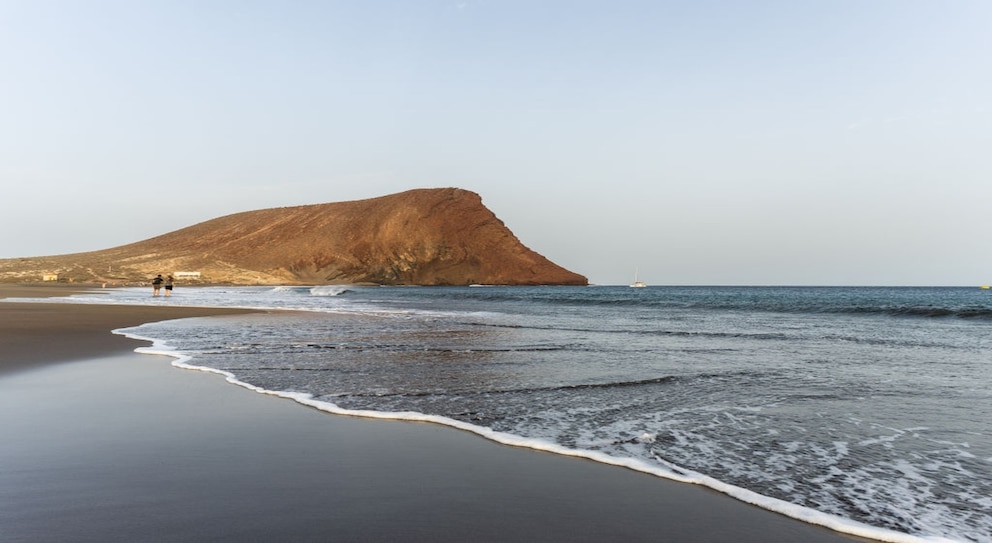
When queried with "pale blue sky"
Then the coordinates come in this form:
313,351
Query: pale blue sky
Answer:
721,142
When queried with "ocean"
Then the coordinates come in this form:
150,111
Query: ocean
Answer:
868,410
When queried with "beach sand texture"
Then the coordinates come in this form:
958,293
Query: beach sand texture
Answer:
118,446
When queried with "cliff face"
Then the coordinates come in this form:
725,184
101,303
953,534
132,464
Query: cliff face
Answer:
419,237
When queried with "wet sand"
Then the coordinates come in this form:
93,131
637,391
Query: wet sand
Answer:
45,333
117,446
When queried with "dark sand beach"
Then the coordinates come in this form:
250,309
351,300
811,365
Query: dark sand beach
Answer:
110,445
44,333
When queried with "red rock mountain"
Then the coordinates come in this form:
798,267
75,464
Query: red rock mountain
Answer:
419,237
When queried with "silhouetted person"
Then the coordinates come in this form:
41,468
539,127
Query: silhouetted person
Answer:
157,284
168,285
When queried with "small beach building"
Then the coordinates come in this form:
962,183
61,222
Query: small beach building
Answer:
188,275
50,277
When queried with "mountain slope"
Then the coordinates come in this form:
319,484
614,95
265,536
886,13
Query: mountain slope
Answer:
419,237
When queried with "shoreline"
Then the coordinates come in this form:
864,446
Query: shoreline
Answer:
206,460
40,333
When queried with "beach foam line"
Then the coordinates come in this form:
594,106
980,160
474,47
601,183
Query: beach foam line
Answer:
162,301
667,471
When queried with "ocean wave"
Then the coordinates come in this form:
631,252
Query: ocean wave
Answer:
896,302
659,467
328,290
924,311
526,391
287,288
522,390
319,290
635,332
420,348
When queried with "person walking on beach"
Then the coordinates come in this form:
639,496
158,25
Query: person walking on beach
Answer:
168,285
156,284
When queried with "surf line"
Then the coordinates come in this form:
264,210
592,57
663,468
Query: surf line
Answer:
668,471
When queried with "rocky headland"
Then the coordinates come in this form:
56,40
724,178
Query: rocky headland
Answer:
418,237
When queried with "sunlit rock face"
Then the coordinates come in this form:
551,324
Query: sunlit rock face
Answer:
419,237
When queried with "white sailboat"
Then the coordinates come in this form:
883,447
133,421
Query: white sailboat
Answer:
636,283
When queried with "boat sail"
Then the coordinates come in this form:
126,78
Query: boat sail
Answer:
636,283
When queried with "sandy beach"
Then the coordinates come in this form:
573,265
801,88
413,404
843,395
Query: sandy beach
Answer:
46,333
103,444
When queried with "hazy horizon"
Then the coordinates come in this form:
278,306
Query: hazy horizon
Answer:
711,143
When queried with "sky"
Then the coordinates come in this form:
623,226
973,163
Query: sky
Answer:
835,142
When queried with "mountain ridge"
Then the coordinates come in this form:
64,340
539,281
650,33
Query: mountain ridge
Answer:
443,236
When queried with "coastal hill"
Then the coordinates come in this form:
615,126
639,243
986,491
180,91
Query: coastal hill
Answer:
419,237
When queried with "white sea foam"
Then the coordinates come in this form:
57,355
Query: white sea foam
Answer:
662,469
328,290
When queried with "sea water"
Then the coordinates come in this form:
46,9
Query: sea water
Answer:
868,410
